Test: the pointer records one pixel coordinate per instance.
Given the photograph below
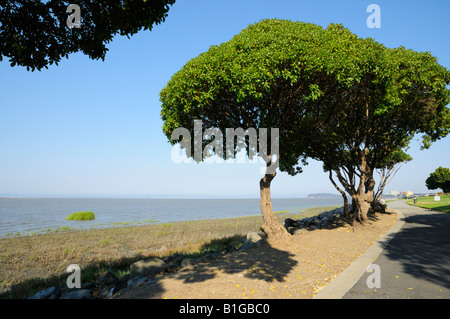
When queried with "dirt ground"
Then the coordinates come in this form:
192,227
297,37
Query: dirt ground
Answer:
298,269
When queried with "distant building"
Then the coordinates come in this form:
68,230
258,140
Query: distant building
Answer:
394,193
406,194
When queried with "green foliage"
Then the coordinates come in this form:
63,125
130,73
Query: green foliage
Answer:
34,33
264,77
440,178
81,216
349,102
346,92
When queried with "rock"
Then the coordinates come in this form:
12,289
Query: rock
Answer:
78,294
108,279
148,267
111,292
253,237
379,207
121,285
290,223
252,240
117,285
88,285
123,282
210,255
323,215
318,221
49,293
106,292
305,221
186,262
174,260
137,281
246,246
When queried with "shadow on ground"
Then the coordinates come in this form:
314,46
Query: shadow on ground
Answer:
263,262
423,247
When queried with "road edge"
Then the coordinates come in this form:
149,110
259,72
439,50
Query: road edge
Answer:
339,286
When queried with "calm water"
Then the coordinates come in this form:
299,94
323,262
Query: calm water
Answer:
28,215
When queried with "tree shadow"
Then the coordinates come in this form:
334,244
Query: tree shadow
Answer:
423,247
262,262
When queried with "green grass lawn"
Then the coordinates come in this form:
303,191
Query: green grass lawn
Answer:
428,202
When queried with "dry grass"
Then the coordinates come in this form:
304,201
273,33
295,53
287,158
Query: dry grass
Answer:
31,263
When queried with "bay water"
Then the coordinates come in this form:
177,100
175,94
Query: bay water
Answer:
26,216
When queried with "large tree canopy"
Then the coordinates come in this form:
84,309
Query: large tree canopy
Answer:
393,95
261,78
346,101
34,33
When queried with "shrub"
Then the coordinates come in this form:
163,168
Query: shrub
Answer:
81,216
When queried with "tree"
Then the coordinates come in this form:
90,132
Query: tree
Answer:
345,101
34,33
391,95
388,169
343,193
440,178
255,80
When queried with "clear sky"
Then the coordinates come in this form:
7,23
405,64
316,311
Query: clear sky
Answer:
93,128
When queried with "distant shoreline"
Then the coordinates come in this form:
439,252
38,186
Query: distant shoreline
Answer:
324,195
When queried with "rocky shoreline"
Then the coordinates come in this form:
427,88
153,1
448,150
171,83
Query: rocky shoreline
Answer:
313,222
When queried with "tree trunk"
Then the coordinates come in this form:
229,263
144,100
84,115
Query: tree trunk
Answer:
354,207
349,186
363,205
271,227
370,187
344,196
362,209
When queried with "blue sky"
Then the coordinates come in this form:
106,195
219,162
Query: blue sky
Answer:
91,128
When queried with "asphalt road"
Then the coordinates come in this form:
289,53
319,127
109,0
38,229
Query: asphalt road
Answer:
414,264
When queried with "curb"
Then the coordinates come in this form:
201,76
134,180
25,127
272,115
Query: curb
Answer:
339,286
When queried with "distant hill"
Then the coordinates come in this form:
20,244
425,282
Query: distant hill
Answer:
323,195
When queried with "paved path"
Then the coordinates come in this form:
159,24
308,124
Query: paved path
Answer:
413,260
